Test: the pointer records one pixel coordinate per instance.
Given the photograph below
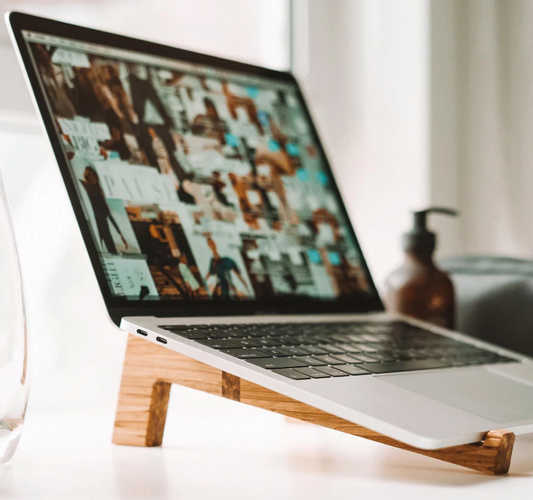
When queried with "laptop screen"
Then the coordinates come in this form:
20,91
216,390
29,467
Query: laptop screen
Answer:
197,182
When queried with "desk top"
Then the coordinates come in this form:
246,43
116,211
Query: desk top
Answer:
215,448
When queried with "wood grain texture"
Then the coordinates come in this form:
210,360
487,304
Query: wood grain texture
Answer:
492,456
231,386
149,370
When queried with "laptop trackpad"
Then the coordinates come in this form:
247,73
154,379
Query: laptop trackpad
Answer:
478,391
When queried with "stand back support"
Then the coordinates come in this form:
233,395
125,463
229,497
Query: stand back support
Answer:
149,370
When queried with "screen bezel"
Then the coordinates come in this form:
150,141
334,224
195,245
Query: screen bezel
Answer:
119,307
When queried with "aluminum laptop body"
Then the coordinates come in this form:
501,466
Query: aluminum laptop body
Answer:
215,228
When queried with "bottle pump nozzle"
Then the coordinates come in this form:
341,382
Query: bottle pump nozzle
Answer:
420,239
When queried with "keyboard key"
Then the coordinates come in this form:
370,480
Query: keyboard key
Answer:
219,344
351,369
237,334
292,374
276,351
320,339
384,357
345,358
311,372
246,353
175,327
269,342
310,361
279,328
329,370
330,360
333,349
188,327
294,351
341,337
289,341
350,348
216,334
274,363
246,342
354,337
313,349
364,357
370,337
404,366
189,335
364,348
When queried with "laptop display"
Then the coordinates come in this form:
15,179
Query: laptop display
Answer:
196,182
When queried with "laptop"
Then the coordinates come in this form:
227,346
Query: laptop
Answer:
216,229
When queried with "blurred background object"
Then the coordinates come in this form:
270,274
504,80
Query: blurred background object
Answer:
419,287
14,380
418,103
494,295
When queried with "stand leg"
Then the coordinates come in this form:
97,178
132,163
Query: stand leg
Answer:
142,413
149,370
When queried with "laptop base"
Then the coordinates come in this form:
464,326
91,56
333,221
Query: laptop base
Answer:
149,370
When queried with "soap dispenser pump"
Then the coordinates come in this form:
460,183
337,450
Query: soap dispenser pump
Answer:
418,287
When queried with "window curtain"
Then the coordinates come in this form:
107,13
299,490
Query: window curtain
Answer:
494,125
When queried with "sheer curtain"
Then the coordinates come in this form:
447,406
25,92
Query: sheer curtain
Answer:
364,65
482,103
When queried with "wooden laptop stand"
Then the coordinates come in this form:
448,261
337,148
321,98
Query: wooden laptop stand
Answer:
149,370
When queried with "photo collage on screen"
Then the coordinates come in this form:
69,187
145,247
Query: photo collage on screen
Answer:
196,185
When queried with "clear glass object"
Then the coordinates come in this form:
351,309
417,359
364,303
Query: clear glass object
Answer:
14,383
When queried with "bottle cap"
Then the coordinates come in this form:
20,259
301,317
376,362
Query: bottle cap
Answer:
420,239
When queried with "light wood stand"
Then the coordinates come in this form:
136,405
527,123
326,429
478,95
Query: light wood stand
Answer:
149,370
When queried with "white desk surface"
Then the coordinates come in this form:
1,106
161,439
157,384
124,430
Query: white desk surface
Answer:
219,449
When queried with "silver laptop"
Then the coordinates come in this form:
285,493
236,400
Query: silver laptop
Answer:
215,228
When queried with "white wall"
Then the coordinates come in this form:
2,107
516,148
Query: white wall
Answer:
365,67
255,32
251,31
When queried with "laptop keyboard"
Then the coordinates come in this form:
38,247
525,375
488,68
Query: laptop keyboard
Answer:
302,351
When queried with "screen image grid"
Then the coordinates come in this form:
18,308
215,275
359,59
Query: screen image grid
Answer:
197,183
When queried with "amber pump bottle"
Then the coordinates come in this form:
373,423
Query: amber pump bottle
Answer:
418,287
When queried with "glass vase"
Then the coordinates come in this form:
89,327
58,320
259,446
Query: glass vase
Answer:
14,383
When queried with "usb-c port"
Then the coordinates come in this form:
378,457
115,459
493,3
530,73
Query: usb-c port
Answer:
142,332
162,340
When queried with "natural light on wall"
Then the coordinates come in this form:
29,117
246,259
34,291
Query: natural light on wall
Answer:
255,31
